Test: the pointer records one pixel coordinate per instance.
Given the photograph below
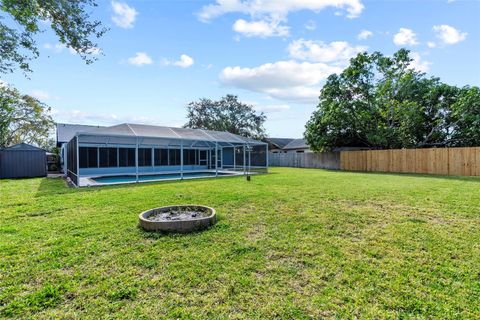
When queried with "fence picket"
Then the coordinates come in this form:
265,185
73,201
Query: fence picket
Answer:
445,161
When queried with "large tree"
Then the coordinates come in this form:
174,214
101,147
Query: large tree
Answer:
383,102
69,19
226,114
465,114
23,119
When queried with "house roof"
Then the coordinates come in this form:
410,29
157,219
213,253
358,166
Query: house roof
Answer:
150,131
66,131
296,144
23,147
279,142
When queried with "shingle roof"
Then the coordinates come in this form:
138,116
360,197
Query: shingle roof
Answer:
65,131
297,144
150,131
279,142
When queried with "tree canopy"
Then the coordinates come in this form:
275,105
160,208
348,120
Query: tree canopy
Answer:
68,19
383,102
23,119
226,114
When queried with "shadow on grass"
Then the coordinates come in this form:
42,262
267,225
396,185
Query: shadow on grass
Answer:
154,235
49,186
417,175
159,182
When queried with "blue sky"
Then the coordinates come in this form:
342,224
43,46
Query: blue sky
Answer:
276,55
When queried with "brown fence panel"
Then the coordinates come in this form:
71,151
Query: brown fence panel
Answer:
456,160
441,161
477,161
445,161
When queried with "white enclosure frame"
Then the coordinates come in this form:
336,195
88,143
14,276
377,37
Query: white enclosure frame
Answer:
212,146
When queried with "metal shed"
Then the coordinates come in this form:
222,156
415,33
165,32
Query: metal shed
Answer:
23,161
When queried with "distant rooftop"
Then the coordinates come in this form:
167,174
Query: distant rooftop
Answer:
279,142
296,144
288,143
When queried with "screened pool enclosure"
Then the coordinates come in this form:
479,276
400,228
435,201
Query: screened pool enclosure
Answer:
135,153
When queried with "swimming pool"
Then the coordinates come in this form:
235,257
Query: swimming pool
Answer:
157,177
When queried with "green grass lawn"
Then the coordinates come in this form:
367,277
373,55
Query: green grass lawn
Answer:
293,244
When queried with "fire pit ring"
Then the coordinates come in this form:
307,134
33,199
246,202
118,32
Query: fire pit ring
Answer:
178,219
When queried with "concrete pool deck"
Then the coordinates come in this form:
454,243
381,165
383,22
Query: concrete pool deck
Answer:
91,182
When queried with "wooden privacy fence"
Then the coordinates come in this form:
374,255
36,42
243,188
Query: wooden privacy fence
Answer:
323,160
445,161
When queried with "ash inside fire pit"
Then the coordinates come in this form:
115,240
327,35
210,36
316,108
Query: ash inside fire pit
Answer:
179,213
181,219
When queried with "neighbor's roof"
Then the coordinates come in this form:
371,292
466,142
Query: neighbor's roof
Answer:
150,131
66,131
297,144
23,147
279,142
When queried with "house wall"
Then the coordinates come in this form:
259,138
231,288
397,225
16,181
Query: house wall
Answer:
227,156
105,171
132,170
63,157
298,151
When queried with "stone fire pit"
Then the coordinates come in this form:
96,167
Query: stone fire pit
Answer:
181,219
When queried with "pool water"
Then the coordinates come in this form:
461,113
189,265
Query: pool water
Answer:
155,177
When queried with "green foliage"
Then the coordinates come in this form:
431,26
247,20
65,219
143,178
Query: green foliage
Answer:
466,118
23,119
50,145
293,244
68,19
382,102
226,114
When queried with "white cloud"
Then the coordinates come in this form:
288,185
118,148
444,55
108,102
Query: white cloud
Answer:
77,116
271,108
275,8
364,34
405,37
448,34
40,95
268,16
431,44
58,47
338,52
418,63
94,51
184,62
285,80
260,28
311,25
123,15
140,59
